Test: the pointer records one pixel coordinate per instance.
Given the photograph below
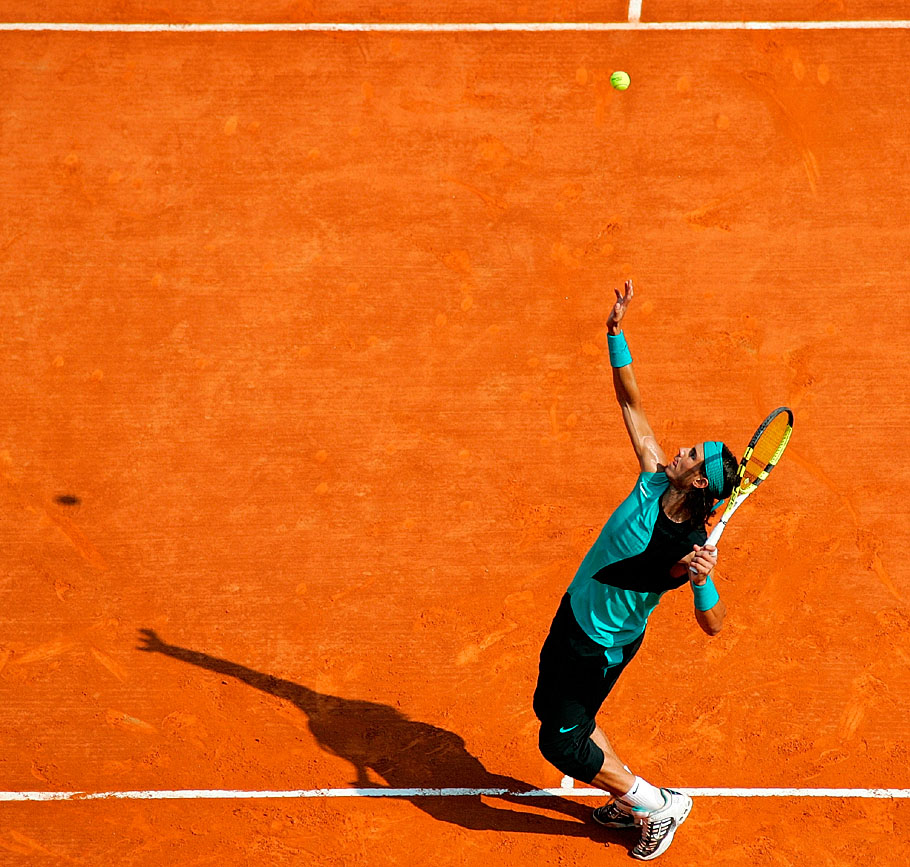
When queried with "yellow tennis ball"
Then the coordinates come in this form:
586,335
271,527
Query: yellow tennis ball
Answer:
620,80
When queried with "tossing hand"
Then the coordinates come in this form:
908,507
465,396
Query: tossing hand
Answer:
614,320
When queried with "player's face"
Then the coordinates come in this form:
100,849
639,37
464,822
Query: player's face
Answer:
686,466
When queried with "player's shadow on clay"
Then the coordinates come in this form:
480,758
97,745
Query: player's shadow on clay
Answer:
407,754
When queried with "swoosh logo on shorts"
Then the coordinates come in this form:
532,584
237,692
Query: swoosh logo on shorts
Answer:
562,731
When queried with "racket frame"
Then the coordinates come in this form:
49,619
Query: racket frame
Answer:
745,487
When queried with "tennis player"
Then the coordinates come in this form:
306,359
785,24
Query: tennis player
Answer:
654,542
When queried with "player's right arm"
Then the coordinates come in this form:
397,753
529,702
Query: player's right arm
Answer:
650,455
701,564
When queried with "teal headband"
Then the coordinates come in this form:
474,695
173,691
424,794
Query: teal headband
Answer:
714,468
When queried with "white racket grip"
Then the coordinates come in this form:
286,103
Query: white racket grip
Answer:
716,533
713,539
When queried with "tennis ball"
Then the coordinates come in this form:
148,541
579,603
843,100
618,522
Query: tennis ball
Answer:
620,80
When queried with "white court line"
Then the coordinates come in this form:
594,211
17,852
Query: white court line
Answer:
225,794
458,28
634,11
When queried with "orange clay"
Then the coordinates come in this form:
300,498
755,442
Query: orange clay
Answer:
309,330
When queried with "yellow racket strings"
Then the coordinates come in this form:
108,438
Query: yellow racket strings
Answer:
768,448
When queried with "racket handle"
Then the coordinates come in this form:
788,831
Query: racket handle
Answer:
713,539
716,533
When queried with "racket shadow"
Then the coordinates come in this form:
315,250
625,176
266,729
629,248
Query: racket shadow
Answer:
407,754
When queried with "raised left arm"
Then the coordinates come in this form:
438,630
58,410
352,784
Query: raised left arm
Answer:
650,455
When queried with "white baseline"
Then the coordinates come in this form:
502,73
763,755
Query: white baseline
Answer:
225,794
554,27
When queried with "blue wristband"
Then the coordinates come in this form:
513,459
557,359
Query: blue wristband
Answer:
619,350
705,595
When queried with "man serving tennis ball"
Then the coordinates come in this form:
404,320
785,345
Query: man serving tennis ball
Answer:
652,543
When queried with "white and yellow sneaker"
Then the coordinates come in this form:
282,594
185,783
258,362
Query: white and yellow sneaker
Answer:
659,826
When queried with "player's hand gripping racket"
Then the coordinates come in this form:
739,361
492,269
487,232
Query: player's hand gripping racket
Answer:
760,457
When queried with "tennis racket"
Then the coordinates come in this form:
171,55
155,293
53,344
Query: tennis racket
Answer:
760,457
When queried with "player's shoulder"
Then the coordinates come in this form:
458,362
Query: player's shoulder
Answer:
649,486
653,479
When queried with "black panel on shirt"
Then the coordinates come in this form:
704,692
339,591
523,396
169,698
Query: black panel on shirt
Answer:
649,572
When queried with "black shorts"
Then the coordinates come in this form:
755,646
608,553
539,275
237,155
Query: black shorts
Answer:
573,683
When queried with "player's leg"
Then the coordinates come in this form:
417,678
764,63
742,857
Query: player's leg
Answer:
572,685
568,695
656,812
616,813
614,776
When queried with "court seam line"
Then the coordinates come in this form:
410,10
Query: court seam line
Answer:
226,794
555,27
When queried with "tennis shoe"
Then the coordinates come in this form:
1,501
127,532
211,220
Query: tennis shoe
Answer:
616,814
659,826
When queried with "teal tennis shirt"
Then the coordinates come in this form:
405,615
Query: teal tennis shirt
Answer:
623,576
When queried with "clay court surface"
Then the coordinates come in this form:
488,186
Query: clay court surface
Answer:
306,390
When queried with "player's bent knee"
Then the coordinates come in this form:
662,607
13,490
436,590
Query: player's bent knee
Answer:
572,752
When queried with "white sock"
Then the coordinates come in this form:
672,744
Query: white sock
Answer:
644,795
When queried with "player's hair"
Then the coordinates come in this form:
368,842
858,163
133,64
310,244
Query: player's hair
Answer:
699,502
